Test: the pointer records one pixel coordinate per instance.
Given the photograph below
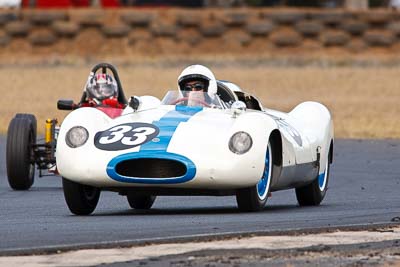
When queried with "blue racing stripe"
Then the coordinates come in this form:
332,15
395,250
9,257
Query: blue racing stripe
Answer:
167,125
157,148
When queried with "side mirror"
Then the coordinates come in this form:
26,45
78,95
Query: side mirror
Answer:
238,107
134,103
64,104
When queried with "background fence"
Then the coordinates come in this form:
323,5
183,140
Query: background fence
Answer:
207,30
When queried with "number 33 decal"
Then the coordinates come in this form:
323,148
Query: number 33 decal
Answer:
125,136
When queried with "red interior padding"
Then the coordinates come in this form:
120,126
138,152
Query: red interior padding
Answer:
111,112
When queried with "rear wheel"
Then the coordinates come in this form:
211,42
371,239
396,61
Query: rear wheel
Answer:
81,199
141,202
312,194
254,198
20,161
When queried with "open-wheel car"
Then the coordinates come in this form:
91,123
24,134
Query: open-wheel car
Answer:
26,152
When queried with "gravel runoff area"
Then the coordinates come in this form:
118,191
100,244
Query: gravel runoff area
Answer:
373,247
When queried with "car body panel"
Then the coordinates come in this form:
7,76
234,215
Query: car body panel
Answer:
198,138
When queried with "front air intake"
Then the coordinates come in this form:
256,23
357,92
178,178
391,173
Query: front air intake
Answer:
151,168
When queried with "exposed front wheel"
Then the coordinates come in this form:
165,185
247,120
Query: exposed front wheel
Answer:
254,198
21,138
140,202
81,199
312,194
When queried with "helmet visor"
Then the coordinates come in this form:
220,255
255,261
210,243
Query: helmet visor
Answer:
103,91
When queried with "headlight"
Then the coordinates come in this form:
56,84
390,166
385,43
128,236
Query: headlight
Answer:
240,143
76,136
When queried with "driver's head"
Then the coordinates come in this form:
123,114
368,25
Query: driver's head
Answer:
101,86
198,78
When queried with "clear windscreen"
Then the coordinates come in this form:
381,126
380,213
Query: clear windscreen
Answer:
191,99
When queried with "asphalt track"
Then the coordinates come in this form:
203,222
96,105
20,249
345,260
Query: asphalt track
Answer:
363,190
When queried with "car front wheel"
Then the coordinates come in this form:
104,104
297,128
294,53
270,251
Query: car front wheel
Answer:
81,199
254,198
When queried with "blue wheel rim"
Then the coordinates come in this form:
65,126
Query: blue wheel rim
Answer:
262,185
322,178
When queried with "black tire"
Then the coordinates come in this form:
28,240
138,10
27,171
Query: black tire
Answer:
20,163
18,28
65,28
335,38
120,30
288,38
261,28
164,30
45,18
140,202
42,38
309,28
251,198
138,18
81,199
31,118
4,39
235,19
212,30
379,38
290,17
312,194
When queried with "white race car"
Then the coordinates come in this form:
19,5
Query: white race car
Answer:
184,146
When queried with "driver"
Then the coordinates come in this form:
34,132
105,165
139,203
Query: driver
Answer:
102,90
194,82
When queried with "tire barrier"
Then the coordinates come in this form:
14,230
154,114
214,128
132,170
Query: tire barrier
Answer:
354,27
309,28
335,38
286,38
210,29
285,17
4,38
260,28
18,28
377,18
235,19
378,38
394,27
42,38
137,36
163,29
120,30
45,17
137,19
189,20
65,28
237,38
7,17
189,36
330,18
89,19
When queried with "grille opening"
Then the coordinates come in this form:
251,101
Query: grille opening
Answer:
151,168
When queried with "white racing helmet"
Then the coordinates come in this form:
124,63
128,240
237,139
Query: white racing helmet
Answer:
199,72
